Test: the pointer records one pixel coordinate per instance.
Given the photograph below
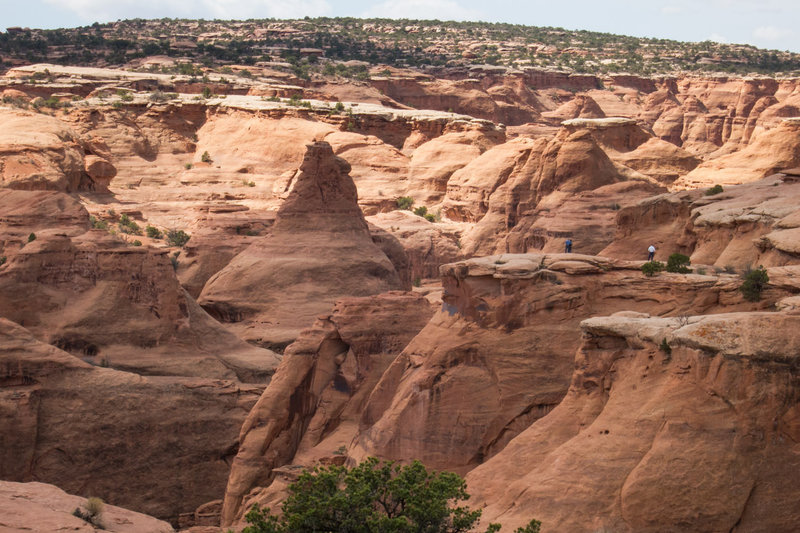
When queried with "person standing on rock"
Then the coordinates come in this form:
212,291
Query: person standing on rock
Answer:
651,253
568,246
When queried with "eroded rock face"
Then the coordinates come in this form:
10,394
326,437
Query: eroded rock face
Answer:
503,340
103,432
545,198
309,412
750,224
39,152
771,151
646,437
43,507
319,249
425,245
100,298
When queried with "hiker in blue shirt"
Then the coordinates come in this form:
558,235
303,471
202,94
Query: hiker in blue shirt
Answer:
568,246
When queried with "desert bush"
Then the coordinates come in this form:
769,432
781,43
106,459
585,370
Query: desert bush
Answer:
373,497
405,202
153,232
92,512
124,95
31,237
98,223
652,267
665,347
421,211
755,281
177,237
678,263
206,157
716,189
126,225
3,260
158,96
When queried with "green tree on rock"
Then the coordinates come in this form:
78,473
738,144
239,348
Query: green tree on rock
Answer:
373,497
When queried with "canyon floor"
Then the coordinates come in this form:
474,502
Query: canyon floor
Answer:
208,285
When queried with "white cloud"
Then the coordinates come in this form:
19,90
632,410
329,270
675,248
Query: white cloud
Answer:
771,33
423,9
672,9
103,10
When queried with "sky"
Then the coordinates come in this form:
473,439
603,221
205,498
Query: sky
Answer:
763,23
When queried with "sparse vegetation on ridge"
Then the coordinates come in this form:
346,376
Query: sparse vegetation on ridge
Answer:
304,45
373,497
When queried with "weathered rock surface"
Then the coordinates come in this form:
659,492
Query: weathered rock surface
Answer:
503,339
310,410
40,507
426,246
39,152
159,445
744,225
646,438
569,187
319,250
433,163
771,151
105,300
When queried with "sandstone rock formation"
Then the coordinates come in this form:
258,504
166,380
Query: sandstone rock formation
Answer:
425,245
42,507
42,153
648,436
545,199
159,445
100,298
745,225
503,339
319,249
433,163
310,410
771,151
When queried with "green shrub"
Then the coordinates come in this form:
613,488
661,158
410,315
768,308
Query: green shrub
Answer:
206,157
174,260
678,263
31,237
755,281
534,526
124,95
665,347
430,217
177,237
206,92
421,211
188,166
652,267
126,225
339,107
92,513
137,242
373,497
3,260
98,223
153,232
158,96
417,282
405,202
716,189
